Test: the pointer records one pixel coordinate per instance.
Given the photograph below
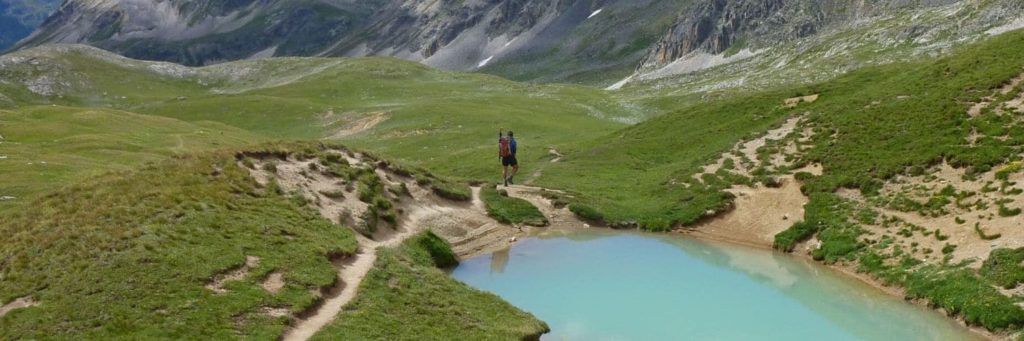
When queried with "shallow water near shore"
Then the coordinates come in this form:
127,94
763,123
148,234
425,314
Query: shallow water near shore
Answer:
605,285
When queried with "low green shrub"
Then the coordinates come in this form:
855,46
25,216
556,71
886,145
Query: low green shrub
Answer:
440,251
270,166
656,224
799,232
1003,267
586,213
960,292
982,235
508,210
1008,212
334,194
948,249
452,191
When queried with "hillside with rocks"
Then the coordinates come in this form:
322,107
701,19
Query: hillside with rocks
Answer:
589,41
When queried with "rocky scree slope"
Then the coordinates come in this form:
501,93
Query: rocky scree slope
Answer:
592,41
448,34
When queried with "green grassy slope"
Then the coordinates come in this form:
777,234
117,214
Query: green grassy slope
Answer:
133,255
406,298
127,254
50,147
441,120
639,173
869,126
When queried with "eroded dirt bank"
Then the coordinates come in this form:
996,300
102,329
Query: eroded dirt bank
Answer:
384,206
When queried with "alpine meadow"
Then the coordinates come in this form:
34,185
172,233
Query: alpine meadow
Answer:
690,170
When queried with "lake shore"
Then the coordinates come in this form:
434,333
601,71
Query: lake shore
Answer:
563,221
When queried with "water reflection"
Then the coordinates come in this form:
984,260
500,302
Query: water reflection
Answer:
499,260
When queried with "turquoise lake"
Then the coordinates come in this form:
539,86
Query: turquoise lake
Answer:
604,285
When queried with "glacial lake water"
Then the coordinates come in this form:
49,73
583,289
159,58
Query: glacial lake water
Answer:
605,285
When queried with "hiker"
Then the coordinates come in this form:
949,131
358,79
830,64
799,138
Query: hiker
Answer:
507,154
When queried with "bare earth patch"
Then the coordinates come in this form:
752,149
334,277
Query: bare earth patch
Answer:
18,303
360,125
274,283
464,224
793,102
958,222
744,152
757,216
217,285
987,101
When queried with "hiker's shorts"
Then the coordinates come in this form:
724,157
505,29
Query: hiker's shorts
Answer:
509,161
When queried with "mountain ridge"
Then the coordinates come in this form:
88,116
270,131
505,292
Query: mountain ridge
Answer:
583,41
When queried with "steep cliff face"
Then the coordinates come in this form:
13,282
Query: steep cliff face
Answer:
715,26
746,44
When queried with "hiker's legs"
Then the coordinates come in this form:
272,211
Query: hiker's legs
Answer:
504,174
515,169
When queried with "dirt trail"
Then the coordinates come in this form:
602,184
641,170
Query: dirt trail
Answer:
793,102
556,157
18,303
350,273
464,224
360,125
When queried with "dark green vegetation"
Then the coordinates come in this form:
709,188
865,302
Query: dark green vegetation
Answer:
1004,268
510,210
586,212
405,297
437,248
955,288
129,253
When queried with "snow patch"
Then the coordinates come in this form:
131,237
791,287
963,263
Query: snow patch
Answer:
598,11
484,62
620,84
267,53
511,41
697,61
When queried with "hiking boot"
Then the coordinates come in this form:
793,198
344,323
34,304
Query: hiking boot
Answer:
510,181
506,182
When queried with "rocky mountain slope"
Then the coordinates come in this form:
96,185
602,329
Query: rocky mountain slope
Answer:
771,43
448,34
592,41
18,18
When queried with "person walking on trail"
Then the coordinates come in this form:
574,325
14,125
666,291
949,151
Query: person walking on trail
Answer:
507,154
